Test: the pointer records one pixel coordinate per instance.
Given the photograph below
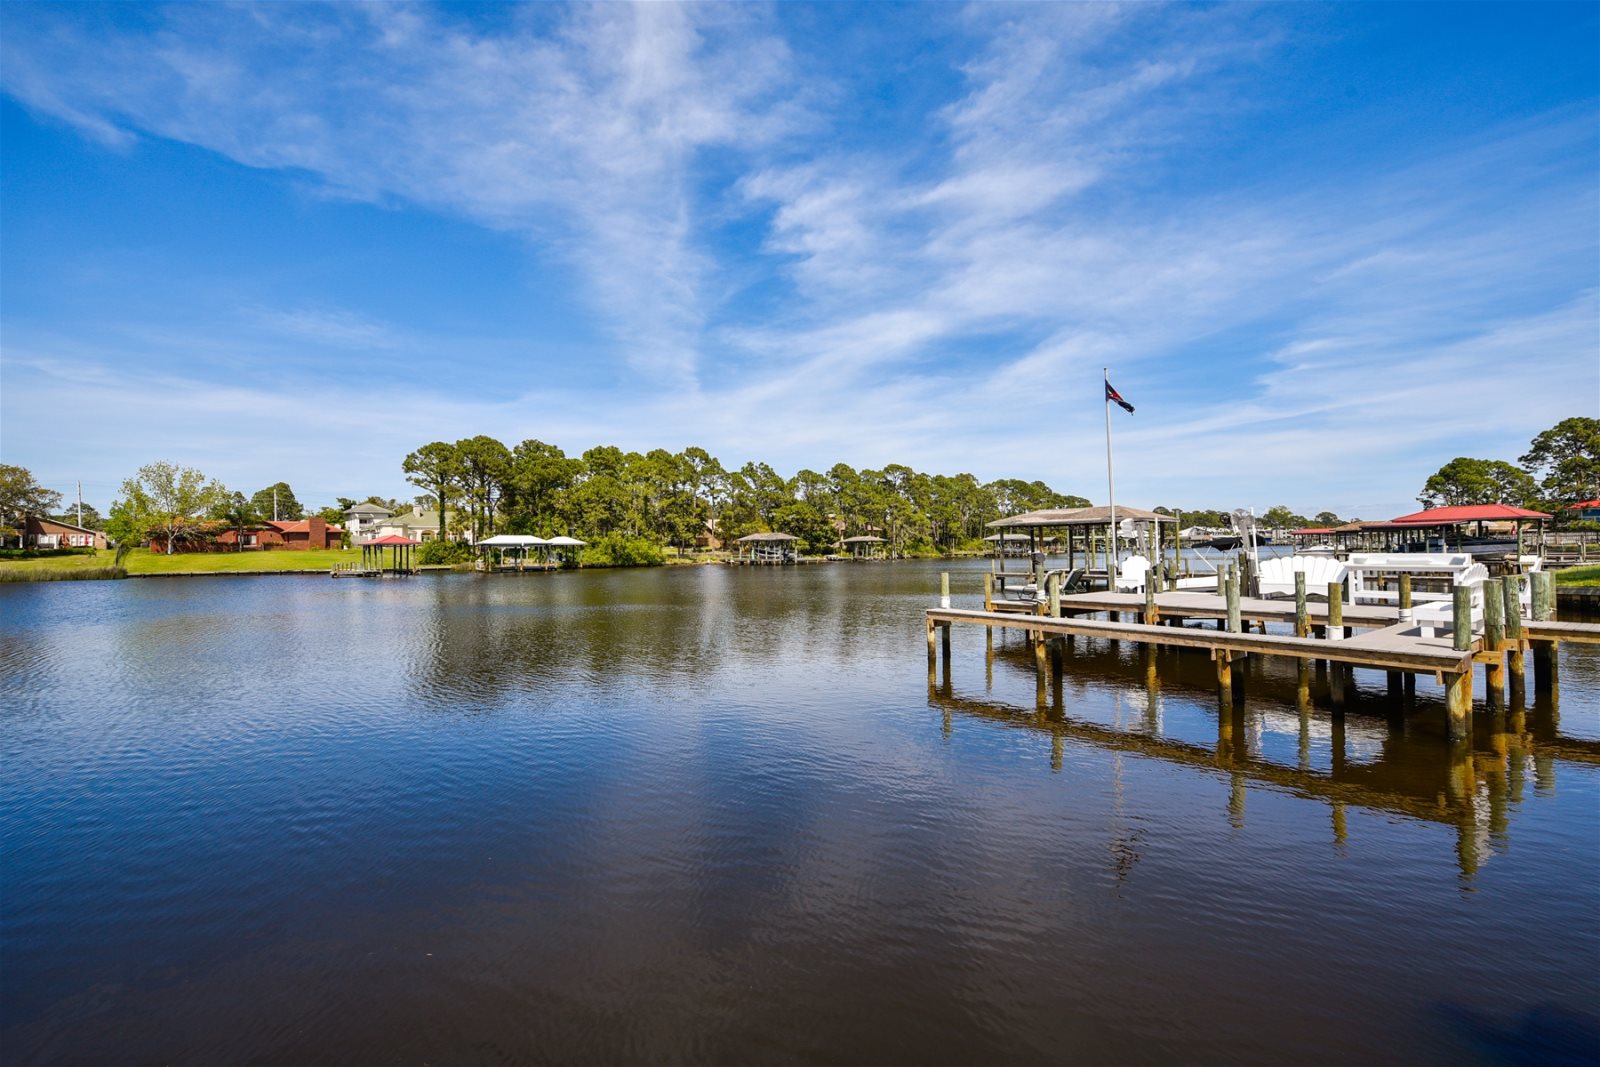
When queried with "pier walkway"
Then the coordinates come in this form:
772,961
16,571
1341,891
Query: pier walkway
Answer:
1342,636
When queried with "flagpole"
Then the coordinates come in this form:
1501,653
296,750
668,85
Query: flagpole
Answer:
1111,486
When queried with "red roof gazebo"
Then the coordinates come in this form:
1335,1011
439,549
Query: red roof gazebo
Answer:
400,559
1460,514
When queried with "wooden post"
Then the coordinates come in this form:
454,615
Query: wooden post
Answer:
933,648
1302,617
1222,581
1053,589
1494,636
1545,661
1461,619
1233,604
1405,592
1224,678
1458,702
1335,611
1513,614
1150,616
988,591
944,641
944,589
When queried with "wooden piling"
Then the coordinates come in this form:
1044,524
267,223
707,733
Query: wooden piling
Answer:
944,589
1335,611
1545,661
1461,619
1150,616
1513,615
1302,616
1494,636
1405,592
1053,594
988,591
1233,604
1458,703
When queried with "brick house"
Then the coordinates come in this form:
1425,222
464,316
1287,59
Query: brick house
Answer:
40,532
315,532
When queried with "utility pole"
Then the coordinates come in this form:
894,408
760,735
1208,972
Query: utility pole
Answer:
274,503
80,501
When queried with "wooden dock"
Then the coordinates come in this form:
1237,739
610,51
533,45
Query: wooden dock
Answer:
1343,636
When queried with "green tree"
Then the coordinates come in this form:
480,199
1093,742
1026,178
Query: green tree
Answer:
238,511
1281,518
1328,518
166,500
21,496
1465,480
277,501
539,474
92,519
485,465
435,468
1566,457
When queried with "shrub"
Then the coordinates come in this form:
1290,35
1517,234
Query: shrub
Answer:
615,550
433,553
43,553
43,574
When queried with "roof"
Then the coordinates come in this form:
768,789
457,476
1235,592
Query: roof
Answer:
1311,530
299,526
566,542
1449,516
1595,503
1095,516
507,540
60,522
768,537
368,509
862,541
413,520
393,539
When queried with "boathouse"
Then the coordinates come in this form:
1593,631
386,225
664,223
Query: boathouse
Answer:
767,548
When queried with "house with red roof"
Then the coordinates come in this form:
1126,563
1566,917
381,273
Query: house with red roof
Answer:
315,532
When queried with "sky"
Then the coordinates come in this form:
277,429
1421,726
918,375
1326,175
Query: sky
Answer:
1322,248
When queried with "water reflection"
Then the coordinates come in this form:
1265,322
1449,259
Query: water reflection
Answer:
1390,756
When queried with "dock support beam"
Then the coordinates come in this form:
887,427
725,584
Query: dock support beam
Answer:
1546,665
1494,636
1302,617
1513,604
1458,702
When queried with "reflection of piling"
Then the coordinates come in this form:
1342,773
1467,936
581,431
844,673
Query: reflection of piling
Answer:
1512,589
1545,663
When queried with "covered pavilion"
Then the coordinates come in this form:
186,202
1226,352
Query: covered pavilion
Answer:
767,547
1080,526
401,557
864,547
1453,517
519,544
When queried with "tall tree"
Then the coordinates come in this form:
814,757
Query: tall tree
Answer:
485,464
164,499
21,496
277,501
435,468
539,473
238,511
1567,458
1465,480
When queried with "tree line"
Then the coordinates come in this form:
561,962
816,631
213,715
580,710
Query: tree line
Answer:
479,485
1560,468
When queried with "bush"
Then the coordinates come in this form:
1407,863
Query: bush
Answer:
615,550
42,574
434,553
43,553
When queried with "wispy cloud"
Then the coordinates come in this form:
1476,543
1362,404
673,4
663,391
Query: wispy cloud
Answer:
945,300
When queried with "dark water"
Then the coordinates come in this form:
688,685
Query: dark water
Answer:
718,815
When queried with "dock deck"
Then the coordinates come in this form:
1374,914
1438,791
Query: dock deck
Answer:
1368,636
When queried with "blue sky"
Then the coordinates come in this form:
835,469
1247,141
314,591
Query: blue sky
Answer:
1323,248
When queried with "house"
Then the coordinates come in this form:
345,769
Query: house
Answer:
1586,509
363,522
416,524
315,532
40,532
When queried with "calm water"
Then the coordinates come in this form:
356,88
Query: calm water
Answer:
720,815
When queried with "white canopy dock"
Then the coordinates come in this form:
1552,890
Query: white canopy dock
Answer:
512,550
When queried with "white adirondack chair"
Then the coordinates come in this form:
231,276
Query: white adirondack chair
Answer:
1130,579
1276,576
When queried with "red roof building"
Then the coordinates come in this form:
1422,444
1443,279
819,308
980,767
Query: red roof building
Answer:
1457,513
315,532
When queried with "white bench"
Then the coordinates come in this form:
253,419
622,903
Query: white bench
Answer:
1276,576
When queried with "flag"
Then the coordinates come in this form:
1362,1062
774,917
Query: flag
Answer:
1112,394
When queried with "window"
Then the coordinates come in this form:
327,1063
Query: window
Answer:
249,539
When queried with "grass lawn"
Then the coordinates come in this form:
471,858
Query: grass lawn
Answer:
142,561
1589,575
